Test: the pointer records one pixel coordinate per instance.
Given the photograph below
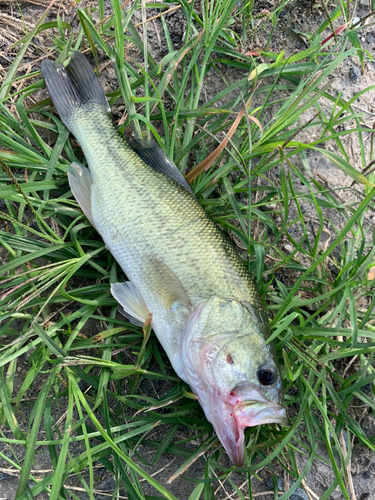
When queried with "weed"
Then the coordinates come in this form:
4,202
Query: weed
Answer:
319,287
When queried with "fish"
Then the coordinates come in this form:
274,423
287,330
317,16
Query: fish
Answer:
181,270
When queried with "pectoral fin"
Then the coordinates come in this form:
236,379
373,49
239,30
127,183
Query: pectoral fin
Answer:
168,287
80,183
132,305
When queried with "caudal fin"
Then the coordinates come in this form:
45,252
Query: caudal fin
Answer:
72,87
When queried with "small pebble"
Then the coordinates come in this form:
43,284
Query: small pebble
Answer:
299,493
369,38
363,39
289,248
270,207
107,486
366,389
304,208
333,268
354,73
5,477
335,449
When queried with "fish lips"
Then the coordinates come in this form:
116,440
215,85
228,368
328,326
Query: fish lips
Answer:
229,421
251,413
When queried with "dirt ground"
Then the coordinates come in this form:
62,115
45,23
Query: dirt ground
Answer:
302,16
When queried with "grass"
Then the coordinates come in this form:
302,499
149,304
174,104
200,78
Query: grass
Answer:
318,286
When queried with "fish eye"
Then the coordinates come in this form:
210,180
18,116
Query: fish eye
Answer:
266,376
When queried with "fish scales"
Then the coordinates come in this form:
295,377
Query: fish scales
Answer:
154,206
162,221
182,269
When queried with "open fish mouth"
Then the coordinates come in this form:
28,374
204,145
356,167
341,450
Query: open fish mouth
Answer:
230,421
251,413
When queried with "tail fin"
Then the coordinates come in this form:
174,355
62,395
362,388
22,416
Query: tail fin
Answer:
73,87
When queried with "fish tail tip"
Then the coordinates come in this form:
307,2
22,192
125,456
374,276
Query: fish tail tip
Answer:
73,86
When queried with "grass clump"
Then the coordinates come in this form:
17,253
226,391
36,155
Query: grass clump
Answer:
318,282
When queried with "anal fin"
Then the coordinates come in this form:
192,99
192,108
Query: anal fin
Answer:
132,305
80,183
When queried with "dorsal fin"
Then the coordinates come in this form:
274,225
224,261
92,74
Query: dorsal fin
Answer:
155,157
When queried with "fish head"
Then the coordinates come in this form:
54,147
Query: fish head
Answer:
232,370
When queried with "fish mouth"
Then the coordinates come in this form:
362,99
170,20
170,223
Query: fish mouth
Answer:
229,421
252,413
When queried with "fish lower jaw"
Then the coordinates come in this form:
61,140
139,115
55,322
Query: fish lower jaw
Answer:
229,418
236,419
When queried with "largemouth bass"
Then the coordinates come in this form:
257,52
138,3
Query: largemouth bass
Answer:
182,270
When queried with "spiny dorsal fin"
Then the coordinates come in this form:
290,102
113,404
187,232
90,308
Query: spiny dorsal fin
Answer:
155,157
